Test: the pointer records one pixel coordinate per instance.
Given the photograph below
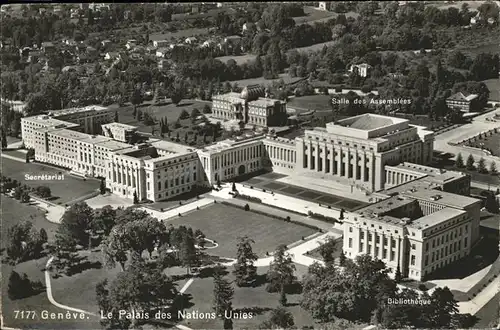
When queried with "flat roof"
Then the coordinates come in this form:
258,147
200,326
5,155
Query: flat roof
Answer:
229,143
369,121
436,218
119,125
263,102
113,144
79,136
229,97
172,147
440,197
62,112
46,121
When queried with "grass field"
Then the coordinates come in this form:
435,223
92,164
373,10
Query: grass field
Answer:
170,111
316,47
311,102
225,224
491,143
14,212
314,15
494,87
63,190
264,82
255,299
239,59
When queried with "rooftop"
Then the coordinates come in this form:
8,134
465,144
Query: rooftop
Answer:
79,136
264,102
436,218
57,113
119,125
113,144
440,197
231,97
462,96
369,121
47,121
229,143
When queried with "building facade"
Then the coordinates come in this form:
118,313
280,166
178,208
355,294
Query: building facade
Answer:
118,131
419,227
355,150
250,107
462,101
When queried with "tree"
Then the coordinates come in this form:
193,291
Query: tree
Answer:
195,113
177,96
139,288
206,109
341,217
459,162
24,242
25,197
223,296
491,203
116,117
280,318
493,168
4,139
443,307
65,253
281,271
398,276
104,220
328,249
481,166
43,235
184,115
234,187
43,191
188,254
244,269
136,98
136,199
470,163
76,222
343,258
20,286
102,187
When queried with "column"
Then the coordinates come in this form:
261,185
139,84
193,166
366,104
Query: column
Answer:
355,166
332,159
390,247
363,166
339,162
325,157
381,245
316,158
347,161
374,234
309,154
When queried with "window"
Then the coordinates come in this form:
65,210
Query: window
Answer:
412,262
350,242
413,247
350,229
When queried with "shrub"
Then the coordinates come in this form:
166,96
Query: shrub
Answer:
422,287
287,219
250,198
247,207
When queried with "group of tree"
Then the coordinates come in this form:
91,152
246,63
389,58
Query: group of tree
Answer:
21,286
470,164
360,292
24,242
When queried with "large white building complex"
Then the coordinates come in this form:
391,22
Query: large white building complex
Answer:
419,220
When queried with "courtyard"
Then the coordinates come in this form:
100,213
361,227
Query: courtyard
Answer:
63,191
489,142
269,181
225,224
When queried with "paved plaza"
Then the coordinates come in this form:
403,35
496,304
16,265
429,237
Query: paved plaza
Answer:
285,185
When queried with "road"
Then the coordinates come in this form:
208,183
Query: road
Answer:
478,125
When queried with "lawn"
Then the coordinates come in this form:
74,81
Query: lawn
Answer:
14,212
311,102
225,224
255,299
168,110
315,47
489,314
63,191
314,15
265,82
491,142
239,59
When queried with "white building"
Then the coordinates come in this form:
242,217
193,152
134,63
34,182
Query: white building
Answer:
154,171
419,227
361,69
160,43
